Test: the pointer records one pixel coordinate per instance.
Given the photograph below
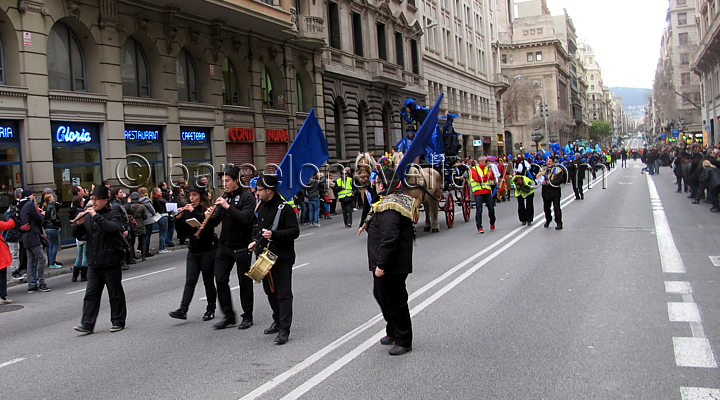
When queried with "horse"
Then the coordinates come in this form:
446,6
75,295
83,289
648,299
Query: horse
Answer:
426,186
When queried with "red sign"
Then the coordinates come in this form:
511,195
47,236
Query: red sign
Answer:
241,134
277,135
27,39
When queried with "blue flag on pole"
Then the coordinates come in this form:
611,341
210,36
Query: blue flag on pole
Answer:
307,153
421,140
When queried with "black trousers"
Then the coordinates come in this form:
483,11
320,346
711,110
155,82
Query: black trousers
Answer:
282,298
3,282
578,188
554,201
391,294
526,208
347,210
200,263
98,278
713,196
225,259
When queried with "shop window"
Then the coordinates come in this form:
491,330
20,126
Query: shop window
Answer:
230,84
267,89
299,94
66,61
135,71
187,79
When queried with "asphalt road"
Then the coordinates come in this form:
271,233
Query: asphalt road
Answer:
519,313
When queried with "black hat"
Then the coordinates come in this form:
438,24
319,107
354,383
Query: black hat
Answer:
199,188
27,193
101,192
231,171
268,181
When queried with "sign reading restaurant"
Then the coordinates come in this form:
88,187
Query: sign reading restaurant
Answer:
142,134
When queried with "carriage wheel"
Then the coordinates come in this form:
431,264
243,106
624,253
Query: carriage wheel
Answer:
450,211
466,206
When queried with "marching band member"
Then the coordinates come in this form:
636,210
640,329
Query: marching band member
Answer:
201,254
551,180
481,178
524,191
278,234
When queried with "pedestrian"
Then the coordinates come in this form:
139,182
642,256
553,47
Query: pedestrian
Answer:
481,178
331,194
169,197
180,193
140,213
153,216
117,198
277,229
312,189
551,178
200,258
103,225
80,267
390,248
345,195
235,210
159,204
12,238
31,220
5,260
52,224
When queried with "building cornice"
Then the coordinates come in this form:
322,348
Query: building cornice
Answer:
80,97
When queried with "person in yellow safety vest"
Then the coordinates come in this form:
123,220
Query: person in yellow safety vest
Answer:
345,195
525,194
481,178
608,160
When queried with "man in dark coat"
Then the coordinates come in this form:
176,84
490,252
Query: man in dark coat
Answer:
103,225
32,218
390,247
280,240
553,178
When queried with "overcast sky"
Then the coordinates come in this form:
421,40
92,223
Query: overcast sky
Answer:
625,35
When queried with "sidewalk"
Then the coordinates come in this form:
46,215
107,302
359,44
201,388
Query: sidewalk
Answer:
66,256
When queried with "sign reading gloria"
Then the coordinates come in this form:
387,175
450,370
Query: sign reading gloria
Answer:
73,132
8,131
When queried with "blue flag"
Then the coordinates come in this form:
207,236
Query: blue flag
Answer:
421,140
307,153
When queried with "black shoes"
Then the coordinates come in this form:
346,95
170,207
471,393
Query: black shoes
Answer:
558,227
523,223
208,315
32,289
44,288
178,314
116,328
224,323
83,329
398,350
387,341
272,329
282,337
246,323
714,209
547,224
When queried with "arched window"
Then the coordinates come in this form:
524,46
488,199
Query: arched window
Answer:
135,71
299,94
231,86
187,79
267,89
2,62
66,61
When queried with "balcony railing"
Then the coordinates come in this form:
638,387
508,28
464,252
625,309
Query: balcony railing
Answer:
310,27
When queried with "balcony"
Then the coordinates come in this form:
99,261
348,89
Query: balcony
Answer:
311,30
387,73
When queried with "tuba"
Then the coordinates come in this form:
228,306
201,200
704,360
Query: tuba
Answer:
553,172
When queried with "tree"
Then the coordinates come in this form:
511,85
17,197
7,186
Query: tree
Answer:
600,130
518,101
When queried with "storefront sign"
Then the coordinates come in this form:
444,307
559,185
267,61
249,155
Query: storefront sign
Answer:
8,131
140,134
194,135
74,132
277,135
241,134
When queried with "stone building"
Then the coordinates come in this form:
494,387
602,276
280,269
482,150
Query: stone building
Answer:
706,64
126,91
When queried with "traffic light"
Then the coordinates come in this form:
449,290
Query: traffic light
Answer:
546,113
521,146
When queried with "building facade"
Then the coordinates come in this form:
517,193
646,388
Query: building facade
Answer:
138,93
706,64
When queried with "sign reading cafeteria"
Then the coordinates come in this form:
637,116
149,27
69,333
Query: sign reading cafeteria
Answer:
194,134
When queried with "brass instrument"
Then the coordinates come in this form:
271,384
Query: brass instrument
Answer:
213,209
553,172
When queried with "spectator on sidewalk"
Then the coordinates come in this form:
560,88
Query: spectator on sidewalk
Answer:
31,220
52,226
80,267
159,203
12,239
5,260
180,193
118,198
150,220
169,196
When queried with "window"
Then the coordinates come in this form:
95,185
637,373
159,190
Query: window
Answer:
299,101
685,78
684,59
357,34
504,58
530,57
681,2
683,38
414,59
187,79
135,71
382,49
2,63
399,50
682,18
538,56
66,61
230,85
334,25
447,44
268,95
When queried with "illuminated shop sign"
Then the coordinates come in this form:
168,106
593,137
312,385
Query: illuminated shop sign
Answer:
9,131
142,135
194,135
73,132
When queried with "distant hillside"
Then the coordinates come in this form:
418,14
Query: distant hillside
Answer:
634,99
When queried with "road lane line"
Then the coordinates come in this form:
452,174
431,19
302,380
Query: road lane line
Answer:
693,352
669,255
232,289
301,265
306,234
683,312
131,278
695,393
11,362
678,287
345,359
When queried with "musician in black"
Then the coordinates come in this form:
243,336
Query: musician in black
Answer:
235,210
553,177
279,237
201,253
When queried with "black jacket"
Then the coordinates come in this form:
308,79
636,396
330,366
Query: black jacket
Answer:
208,239
104,240
30,214
52,221
549,191
237,221
74,211
13,212
283,237
390,242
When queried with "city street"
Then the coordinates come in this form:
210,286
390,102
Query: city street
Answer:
614,306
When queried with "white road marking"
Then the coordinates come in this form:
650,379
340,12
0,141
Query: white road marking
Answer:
325,373
693,352
683,312
306,234
11,362
301,265
131,278
232,289
669,255
678,287
715,260
694,393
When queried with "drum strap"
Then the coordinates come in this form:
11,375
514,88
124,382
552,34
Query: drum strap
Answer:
274,226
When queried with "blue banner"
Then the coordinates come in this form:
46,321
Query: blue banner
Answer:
422,139
307,153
